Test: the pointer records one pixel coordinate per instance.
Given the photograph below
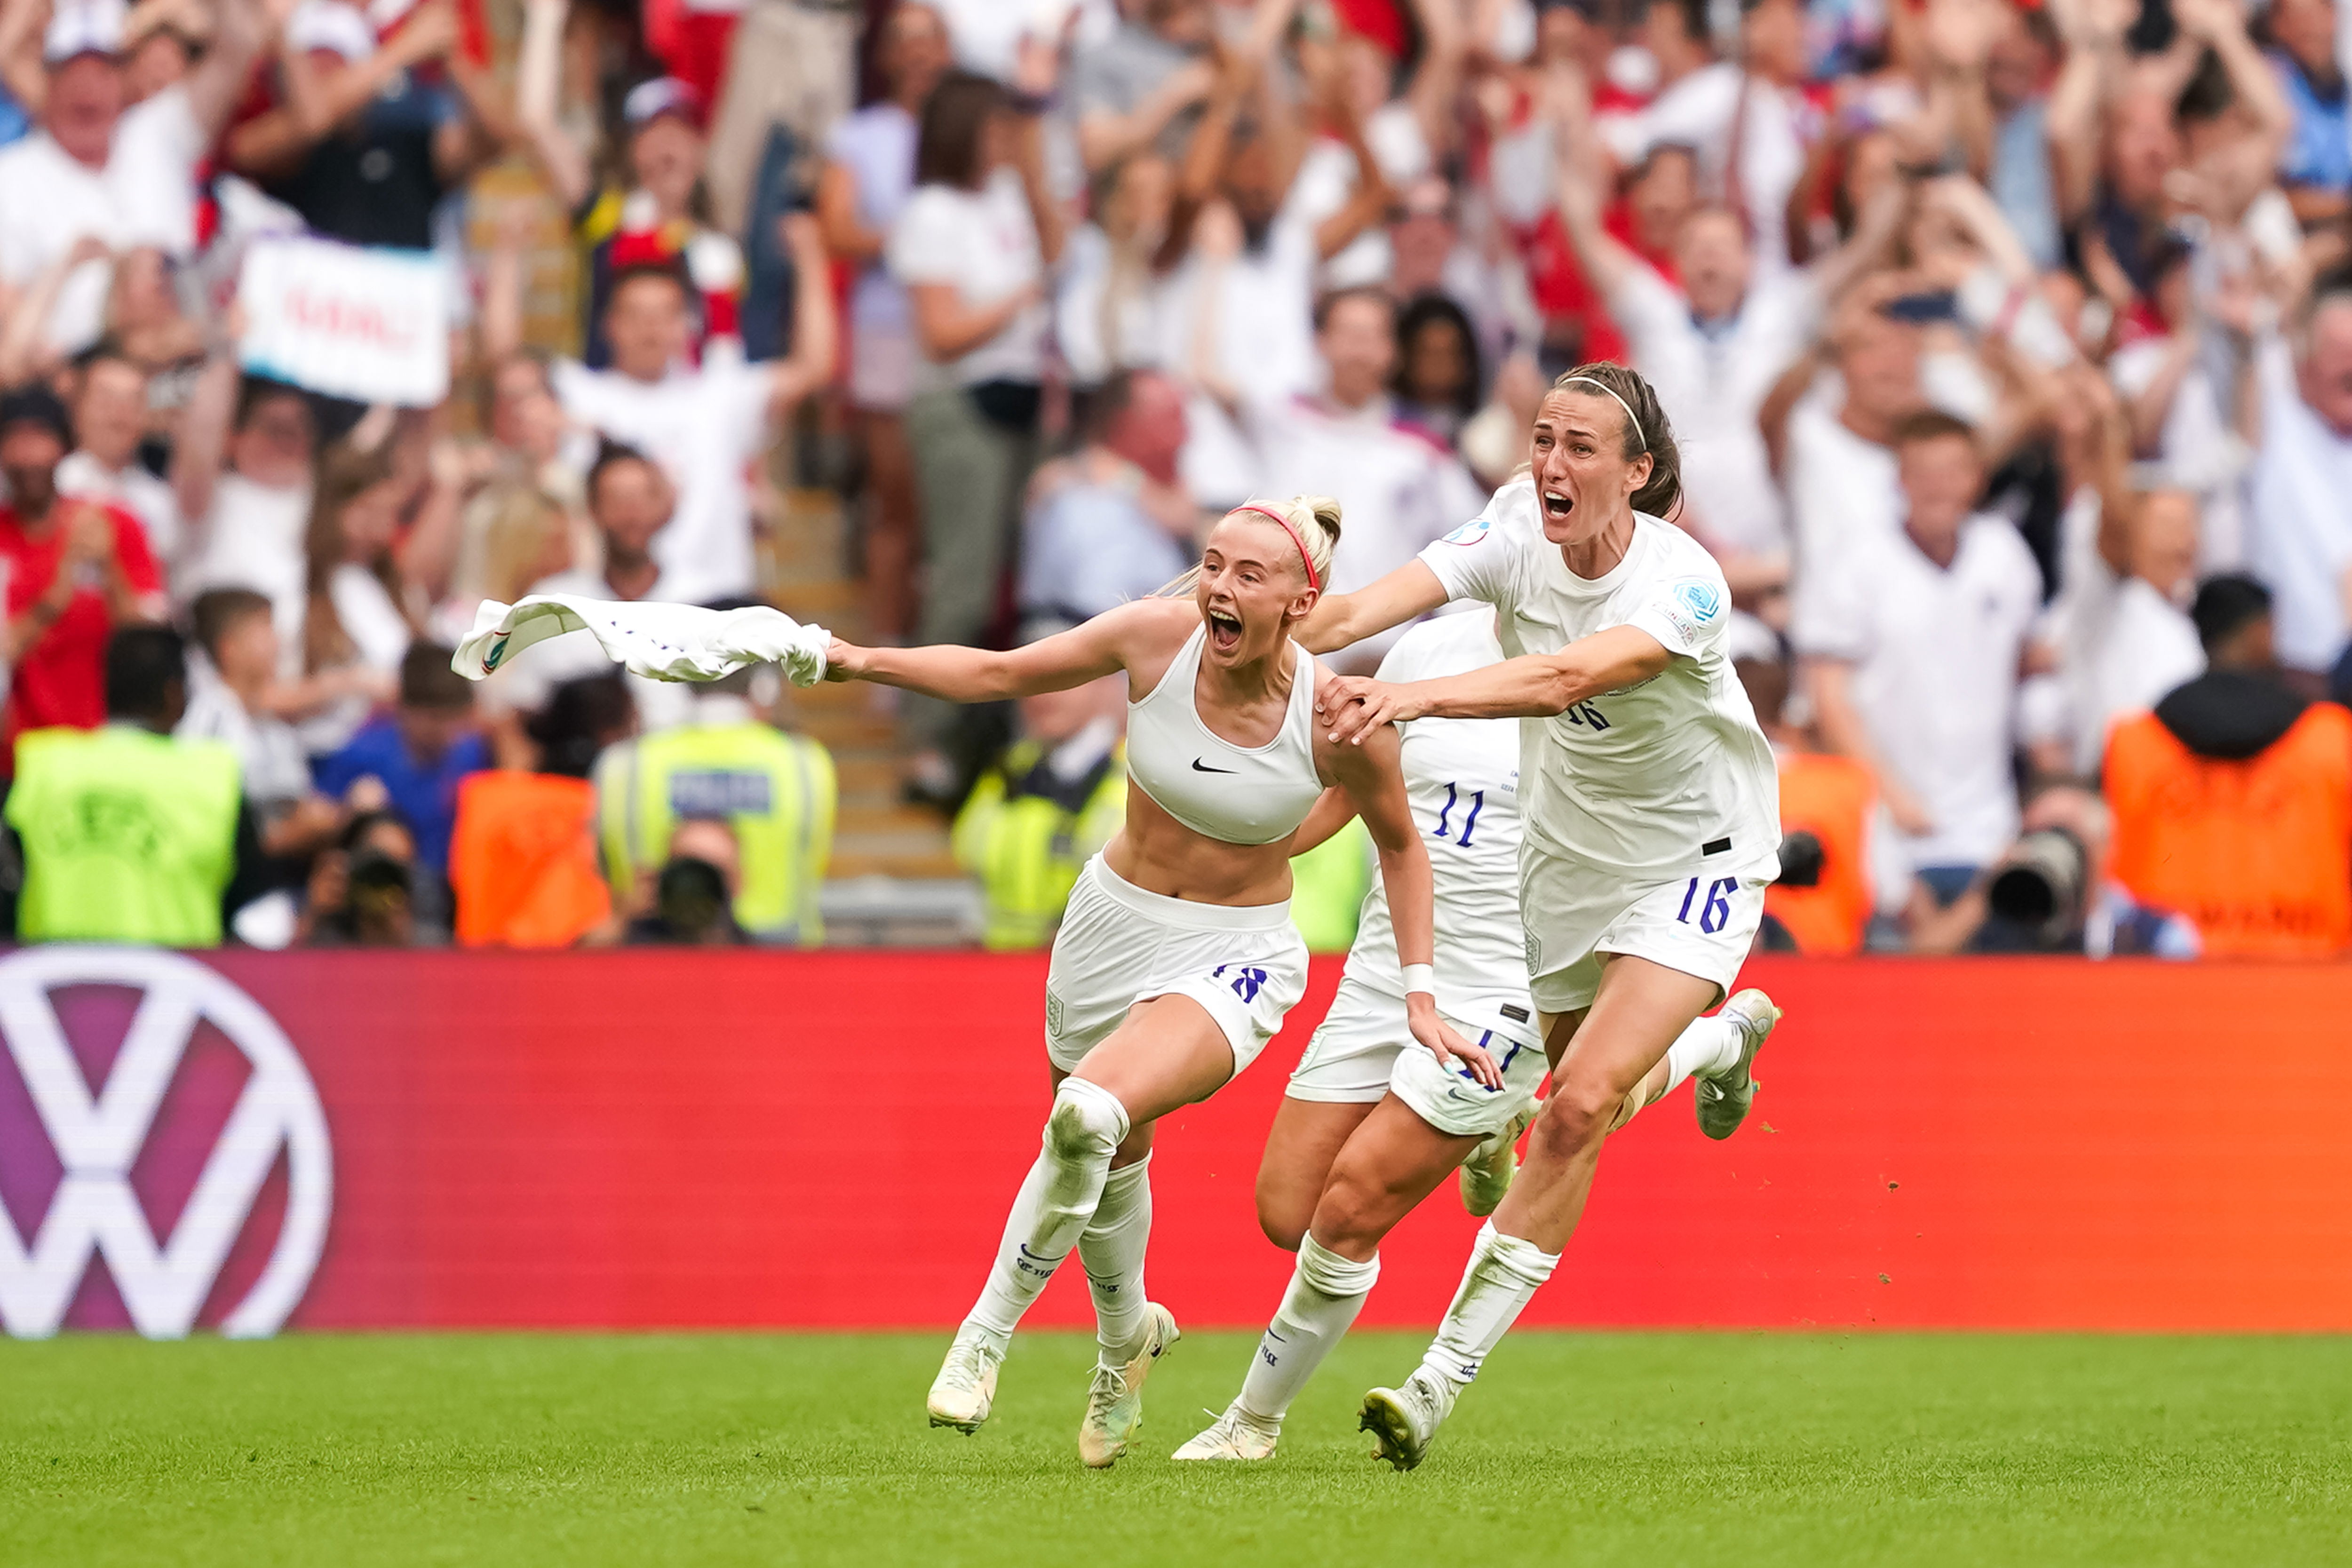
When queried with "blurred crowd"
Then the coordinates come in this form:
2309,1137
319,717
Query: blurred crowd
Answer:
2009,348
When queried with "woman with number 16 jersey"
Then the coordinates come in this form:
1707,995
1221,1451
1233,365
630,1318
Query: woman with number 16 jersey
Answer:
1650,808
1176,959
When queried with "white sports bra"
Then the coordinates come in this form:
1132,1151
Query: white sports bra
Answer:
1238,795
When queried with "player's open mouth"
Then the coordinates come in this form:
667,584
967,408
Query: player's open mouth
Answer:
1224,631
1556,504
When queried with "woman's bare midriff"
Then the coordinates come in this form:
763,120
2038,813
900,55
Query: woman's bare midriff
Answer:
1160,855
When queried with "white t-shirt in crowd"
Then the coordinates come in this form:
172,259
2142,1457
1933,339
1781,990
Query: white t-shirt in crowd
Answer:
1936,652
253,538
2301,515
985,243
2123,644
1712,381
705,427
2198,449
276,773
145,195
1843,491
1398,487
380,638
1099,332
1696,112
524,683
1263,343
984,35
1461,779
1635,783
141,494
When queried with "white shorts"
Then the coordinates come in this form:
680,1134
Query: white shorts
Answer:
1120,945
1699,924
1363,1050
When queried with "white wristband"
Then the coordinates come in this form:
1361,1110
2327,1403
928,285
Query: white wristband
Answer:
1420,977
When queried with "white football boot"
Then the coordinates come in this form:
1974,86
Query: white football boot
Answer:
1232,1435
1404,1421
1723,1098
1115,1399
966,1385
1486,1173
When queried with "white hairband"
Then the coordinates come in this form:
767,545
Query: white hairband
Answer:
1611,390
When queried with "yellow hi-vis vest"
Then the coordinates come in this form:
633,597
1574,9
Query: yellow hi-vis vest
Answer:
129,836
1026,835
776,791
1327,885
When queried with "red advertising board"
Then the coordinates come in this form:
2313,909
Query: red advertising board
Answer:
649,1139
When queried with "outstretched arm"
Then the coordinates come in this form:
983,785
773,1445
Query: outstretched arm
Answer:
1338,619
1103,646
1532,686
1375,785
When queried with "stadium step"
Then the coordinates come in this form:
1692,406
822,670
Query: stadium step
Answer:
892,876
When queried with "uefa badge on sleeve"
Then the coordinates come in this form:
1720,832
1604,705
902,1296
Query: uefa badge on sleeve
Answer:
1472,532
1693,605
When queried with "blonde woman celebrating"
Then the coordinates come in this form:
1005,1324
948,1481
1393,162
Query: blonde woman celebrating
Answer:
1176,961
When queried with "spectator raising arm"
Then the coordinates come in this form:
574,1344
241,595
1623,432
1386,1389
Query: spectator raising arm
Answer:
1369,202
2094,64
465,143
275,143
202,450
21,73
2220,27
240,30
1604,257
815,334
1436,82
1105,137
25,347
538,76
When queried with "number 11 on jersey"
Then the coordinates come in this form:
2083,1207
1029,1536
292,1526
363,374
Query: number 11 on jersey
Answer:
1469,823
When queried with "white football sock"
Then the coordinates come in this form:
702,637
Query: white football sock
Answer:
1709,1045
1051,1211
1112,1250
1016,1277
1325,1293
1504,1273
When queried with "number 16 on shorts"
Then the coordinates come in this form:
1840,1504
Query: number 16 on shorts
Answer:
1716,910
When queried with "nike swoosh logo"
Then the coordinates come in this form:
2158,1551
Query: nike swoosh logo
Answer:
1200,767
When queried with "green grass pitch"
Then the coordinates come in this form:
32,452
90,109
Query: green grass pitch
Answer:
1814,1450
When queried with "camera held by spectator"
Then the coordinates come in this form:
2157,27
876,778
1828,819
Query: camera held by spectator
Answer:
693,893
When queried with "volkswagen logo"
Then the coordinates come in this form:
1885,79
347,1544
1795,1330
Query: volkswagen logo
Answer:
98,1139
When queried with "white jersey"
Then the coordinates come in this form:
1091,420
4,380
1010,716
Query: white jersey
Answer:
1654,780
1462,776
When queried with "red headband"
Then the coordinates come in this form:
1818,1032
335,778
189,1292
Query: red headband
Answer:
1309,560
